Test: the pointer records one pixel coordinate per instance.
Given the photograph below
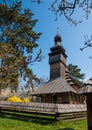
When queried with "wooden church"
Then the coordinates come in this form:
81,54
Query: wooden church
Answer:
60,88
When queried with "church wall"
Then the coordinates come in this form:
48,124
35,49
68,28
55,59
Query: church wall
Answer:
55,70
62,70
62,98
76,98
56,98
46,98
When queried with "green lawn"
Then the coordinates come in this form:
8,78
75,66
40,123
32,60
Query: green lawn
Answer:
15,123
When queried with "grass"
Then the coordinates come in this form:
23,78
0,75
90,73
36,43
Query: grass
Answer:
8,122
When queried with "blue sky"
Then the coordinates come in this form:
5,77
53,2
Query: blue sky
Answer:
72,38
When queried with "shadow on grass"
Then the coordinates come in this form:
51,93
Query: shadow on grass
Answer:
66,129
2,115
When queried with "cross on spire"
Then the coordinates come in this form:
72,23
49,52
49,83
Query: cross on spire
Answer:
58,29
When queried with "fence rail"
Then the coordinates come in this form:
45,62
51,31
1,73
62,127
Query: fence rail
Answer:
50,108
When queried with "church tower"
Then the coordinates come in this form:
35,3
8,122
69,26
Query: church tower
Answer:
57,59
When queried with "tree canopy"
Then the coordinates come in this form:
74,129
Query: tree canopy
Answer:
17,43
75,73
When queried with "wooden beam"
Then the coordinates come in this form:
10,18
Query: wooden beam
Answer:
89,110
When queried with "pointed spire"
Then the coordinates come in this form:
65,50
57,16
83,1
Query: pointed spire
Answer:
57,38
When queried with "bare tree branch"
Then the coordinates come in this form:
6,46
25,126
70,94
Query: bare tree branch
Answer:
68,8
87,42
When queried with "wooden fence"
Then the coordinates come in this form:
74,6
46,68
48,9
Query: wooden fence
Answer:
49,108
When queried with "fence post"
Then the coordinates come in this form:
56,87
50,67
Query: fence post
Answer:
89,110
0,109
57,117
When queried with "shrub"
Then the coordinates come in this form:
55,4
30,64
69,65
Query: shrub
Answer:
26,100
14,99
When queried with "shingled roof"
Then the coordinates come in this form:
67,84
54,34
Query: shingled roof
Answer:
87,87
55,86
